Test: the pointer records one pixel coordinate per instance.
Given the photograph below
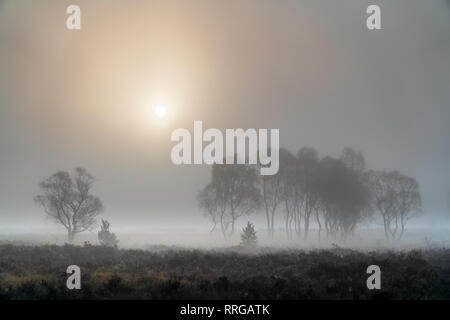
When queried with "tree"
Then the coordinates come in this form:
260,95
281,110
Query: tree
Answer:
308,170
289,190
343,197
353,160
248,236
208,201
272,188
383,196
333,187
396,197
232,193
106,237
69,202
356,163
410,201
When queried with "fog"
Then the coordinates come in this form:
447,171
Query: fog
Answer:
308,68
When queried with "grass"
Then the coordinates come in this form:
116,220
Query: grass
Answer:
39,272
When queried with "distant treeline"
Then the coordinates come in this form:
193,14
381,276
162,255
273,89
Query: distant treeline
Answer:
336,193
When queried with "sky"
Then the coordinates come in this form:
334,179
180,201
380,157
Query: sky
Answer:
309,68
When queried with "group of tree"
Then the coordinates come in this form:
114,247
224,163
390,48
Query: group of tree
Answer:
232,193
396,198
336,193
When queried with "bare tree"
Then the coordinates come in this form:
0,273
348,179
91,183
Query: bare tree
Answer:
290,203
232,193
383,196
208,201
68,201
308,170
272,188
410,201
396,197
354,160
343,197
271,196
289,191
331,189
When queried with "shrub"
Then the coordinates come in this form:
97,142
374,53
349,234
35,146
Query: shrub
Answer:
248,236
106,237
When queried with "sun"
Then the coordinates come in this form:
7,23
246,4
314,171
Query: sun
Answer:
160,111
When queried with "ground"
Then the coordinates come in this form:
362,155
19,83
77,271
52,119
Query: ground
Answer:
39,272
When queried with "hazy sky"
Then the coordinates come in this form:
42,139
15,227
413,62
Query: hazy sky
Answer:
309,68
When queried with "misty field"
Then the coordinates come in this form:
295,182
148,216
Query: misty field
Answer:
39,272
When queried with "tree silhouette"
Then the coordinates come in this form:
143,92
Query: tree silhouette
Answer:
307,171
272,188
231,194
396,198
68,201
344,197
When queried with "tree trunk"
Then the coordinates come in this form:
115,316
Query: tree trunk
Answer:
287,227
272,223
306,227
232,227
385,227
402,224
222,227
268,219
396,228
213,228
70,236
318,222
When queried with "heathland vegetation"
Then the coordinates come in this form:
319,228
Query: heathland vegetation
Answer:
109,273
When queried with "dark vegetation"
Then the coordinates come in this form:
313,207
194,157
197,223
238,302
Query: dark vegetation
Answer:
107,238
107,273
248,236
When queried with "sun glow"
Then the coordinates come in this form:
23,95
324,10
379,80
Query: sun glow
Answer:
160,111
